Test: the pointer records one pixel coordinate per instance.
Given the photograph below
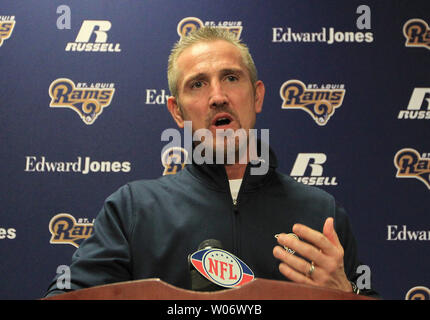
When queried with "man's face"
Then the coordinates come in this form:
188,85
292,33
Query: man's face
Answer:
214,89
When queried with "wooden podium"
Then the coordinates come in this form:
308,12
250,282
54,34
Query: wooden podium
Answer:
257,289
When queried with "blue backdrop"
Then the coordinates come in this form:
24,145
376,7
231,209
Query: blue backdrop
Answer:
82,107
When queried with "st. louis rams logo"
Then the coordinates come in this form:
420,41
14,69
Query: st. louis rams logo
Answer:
417,33
320,104
66,230
7,23
410,164
88,103
189,24
174,160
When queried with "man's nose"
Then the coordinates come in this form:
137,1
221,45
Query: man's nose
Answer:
218,97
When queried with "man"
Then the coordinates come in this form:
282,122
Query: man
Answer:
147,228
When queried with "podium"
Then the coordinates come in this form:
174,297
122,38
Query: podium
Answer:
257,289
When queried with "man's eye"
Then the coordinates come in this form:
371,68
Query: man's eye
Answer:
232,78
197,84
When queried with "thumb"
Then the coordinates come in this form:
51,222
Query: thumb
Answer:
330,232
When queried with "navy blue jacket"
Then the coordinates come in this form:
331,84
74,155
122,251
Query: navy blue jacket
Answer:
148,228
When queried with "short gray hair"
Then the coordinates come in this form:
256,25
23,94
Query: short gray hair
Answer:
206,34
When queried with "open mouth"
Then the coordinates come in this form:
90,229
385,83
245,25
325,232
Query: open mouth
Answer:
222,120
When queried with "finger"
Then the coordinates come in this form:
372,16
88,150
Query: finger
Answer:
292,267
293,275
295,262
306,250
330,232
316,238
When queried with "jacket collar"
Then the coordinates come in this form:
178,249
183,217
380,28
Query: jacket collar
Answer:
215,176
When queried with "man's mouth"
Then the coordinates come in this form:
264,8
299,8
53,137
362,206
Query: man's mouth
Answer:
222,120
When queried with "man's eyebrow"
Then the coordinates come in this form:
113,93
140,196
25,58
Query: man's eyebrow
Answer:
223,72
232,71
196,76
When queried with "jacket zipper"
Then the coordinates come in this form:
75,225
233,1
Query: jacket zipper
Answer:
236,232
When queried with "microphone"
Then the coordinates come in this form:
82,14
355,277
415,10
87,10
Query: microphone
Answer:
199,282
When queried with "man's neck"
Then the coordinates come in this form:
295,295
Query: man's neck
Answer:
235,171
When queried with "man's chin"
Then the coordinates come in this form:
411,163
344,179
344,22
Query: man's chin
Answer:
229,152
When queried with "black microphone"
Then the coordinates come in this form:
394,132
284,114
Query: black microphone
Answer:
199,282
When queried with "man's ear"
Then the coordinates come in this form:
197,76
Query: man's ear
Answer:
173,106
260,90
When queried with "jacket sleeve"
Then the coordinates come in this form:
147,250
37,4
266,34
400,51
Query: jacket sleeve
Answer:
351,258
105,256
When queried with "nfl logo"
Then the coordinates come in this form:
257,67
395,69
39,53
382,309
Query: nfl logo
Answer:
221,267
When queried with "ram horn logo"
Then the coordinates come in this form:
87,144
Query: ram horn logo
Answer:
410,164
320,104
66,230
417,33
187,25
418,293
174,160
88,103
221,267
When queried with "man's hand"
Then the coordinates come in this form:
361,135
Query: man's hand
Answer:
323,249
